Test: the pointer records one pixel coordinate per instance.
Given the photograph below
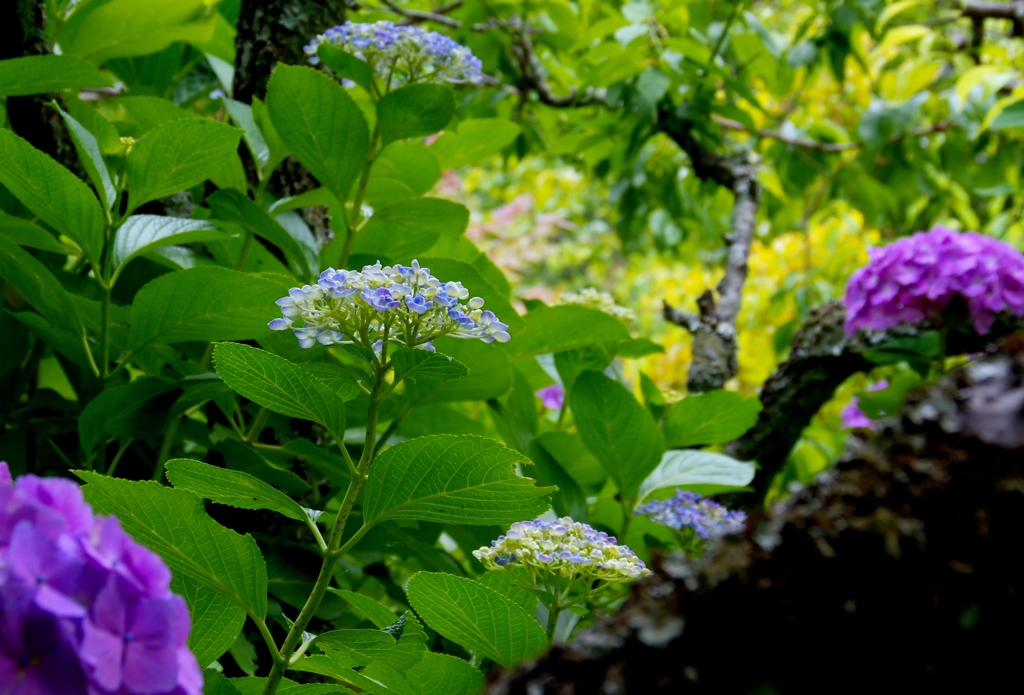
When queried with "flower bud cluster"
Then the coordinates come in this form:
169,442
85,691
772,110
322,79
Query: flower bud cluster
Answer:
83,607
564,547
688,510
602,301
402,54
405,304
918,276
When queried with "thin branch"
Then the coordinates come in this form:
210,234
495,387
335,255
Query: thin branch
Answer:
808,144
417,16
823,356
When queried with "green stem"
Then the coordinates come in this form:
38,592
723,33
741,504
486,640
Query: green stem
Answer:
165,448
258,423
357,204
245,251
117,457
105,332
282,658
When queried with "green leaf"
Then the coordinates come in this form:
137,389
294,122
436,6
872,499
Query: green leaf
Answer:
452,479
443,674
476,139
47,73
279,385
105,29
216,621
618,431
367,607
411,363
38,286
414,111
233,206
361,647
242,115
214,683
354,648
52,192
561,328
118,411
336,378
177,155
490,374
345,65
141,234
700,471
409,164
24,233
89,155
570,499
254,686
476,617
320,124
505,583
172,523
326,666
201,304
1010,117
715,417
233,488
149,112
316,196
402,230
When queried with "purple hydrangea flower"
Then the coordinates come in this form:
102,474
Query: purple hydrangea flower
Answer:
404,304
402,54
688,510
916,278
563,547
83,607
552,397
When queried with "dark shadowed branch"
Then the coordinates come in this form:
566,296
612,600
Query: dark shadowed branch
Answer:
822,357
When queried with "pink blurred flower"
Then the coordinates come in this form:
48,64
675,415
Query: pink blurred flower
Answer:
552,397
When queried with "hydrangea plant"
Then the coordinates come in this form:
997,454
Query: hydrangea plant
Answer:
697,520
569,561
401,54
917,277
404,304
389,413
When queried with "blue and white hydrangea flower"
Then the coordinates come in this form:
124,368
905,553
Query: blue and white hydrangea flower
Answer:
690,512
563,547
402,304
402,54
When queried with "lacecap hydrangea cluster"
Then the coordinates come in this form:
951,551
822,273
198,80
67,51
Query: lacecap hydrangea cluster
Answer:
83,607
402,54
689,510
563,547
916,278
405,304
602,301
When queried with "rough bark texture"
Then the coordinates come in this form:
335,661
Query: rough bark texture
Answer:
899,571
274,31
714,329
269,32
822,357
22,33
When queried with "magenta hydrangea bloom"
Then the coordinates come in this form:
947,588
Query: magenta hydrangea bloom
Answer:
84,609
918,276
552,397
853,417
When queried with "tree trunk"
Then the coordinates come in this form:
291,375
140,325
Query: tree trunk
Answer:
899,571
